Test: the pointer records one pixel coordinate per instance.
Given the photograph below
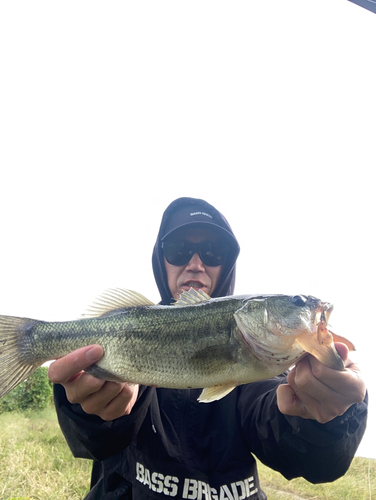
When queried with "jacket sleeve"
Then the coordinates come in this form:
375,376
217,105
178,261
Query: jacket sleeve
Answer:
294,446
88,436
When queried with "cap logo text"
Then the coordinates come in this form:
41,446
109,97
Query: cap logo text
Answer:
201,213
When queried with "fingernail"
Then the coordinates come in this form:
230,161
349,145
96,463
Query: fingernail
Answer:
94,353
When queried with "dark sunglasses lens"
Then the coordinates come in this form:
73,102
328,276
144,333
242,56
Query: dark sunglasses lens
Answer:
213,254
177,254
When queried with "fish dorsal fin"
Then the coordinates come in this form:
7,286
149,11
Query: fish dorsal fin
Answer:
192,297
113,299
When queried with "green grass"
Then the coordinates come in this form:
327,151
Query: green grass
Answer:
36,463
354,485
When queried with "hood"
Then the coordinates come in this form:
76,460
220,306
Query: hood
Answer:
192,211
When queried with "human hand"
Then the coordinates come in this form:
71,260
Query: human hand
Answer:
108,400
314,391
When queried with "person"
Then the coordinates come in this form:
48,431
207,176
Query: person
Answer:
155,443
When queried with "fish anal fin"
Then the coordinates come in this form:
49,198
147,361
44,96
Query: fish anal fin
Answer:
191,297
113,299
216,392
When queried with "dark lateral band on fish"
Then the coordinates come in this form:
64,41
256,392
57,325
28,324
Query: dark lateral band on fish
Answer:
198,342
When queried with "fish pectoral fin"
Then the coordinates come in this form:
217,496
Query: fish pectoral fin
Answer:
216,392
343,340
114,299
191,297
213,359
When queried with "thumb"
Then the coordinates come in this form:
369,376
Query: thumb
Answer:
342,350
63,369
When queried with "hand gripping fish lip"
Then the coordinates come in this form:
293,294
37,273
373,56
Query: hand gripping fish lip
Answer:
323,347
324,335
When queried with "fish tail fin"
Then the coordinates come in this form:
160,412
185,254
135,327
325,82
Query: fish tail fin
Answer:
14,369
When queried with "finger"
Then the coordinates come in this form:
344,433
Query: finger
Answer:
307,384
112,401
289,404
122,404
320,401
307,406
97,400
342,350
324,384
80,387
63,369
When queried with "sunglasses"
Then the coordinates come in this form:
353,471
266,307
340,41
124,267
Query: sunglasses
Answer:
180,253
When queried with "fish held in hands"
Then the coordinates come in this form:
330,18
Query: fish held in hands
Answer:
198,342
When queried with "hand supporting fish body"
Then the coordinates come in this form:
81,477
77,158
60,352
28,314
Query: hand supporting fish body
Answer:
198,342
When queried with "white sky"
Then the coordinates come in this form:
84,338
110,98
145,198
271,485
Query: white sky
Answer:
266,109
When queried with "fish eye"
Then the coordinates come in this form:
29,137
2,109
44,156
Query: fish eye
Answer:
298,300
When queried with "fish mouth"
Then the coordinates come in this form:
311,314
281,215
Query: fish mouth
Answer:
323,313
320,343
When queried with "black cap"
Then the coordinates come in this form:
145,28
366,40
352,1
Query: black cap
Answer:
194,214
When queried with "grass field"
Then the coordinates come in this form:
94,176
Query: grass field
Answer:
36,463
355,485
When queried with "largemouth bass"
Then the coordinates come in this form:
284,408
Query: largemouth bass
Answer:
198,342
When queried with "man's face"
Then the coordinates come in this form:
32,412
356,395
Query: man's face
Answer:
194,274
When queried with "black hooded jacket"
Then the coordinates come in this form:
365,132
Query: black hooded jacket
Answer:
172,446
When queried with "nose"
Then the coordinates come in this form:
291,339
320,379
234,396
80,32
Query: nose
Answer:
195,264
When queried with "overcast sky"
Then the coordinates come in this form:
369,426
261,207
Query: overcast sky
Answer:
109,111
